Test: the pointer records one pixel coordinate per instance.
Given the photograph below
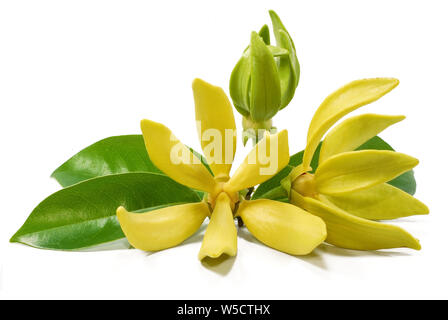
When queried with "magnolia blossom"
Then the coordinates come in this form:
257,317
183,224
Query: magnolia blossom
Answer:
349,189
282,226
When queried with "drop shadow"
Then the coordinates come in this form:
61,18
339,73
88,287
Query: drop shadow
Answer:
246,235
221,265
197,237
149,253
120,244
314,259
341,252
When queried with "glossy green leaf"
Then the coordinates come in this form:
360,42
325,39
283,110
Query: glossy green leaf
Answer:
269,189
119,154
84,215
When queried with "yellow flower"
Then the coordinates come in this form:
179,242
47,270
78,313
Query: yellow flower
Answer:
282,226
349,189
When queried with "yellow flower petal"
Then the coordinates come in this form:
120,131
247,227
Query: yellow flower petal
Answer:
267,158
344,100
297,171
220,236
381,202
216,126
283,226
353,132
357,170
351,232
174,158
163,228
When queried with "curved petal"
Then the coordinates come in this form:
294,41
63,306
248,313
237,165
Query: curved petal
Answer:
216,126
357,170
297,171
283,226
284,40
267,158
265,92
353,132
239,85
174,158
220,236
351,232
344,100
381,202
288,69
163,228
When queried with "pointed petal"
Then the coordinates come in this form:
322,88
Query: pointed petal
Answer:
351,232
297,171
220,236
239,85
344,100
283,226
174,158
381,202
216,126
265,93
357,170
278,52
353,132
163,228
287,182
264,34
267,158
288,67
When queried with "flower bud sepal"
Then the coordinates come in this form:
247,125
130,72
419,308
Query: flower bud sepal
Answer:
256,130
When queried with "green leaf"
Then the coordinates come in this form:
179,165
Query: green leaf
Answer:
83,215
113,155
269,189
119,154
202,158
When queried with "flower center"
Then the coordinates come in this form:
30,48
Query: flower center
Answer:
234,197
305,184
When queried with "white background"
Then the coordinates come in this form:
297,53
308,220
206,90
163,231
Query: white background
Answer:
74,72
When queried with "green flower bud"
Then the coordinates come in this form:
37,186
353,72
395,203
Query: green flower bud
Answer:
265,79
288,66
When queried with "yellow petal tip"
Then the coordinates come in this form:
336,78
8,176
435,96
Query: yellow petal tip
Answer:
217,254
146,124
393,81
417,246
120,210
199,83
